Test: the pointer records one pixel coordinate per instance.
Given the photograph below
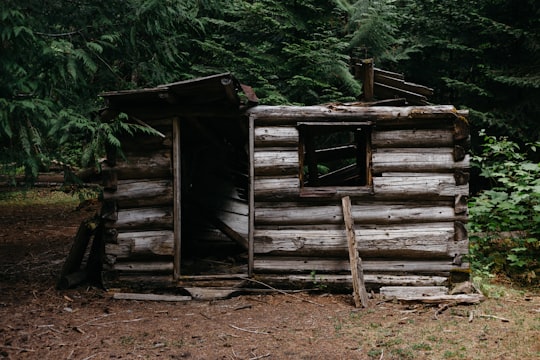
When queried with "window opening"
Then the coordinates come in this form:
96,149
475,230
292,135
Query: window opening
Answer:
334,155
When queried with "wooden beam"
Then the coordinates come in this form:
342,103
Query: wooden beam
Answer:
251,216
367,79
231,233
401,84
387,73
177,202
357,272
149,297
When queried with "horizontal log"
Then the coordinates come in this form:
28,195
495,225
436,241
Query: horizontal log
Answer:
424,240
373,213
416,160
412,138
423,187
276,162
276,136
144,218
328,265
371,280
153,166
276,187
389,186
144,266
142,244
383,115
138,193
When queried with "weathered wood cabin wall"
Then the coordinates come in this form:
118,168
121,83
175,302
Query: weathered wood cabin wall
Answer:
178,195
138,208
409,218
218,180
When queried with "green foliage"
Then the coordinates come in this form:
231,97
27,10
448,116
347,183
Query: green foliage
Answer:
482,55
505,219
372,28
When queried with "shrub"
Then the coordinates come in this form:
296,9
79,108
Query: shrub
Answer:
505,218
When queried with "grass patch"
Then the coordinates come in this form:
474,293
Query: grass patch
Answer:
29,197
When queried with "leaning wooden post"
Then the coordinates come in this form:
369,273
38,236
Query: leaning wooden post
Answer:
357,273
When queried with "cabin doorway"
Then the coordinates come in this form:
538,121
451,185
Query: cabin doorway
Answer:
213,192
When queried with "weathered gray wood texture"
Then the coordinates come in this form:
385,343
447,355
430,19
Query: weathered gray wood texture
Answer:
409,221
405,220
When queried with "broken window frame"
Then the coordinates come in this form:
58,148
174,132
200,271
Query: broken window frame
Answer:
360,149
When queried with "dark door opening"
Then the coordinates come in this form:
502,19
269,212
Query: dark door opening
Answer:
214,198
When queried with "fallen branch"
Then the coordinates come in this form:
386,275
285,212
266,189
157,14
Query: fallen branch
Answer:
16,348
493,317
249,331
284,292
260,357
118,322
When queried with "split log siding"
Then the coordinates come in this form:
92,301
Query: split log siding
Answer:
409,219
141,192
405,219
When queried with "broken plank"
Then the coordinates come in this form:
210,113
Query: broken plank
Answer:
150,297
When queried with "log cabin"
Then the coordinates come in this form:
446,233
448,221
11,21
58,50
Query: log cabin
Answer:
224,192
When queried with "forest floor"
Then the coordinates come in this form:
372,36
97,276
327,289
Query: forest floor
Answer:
37,321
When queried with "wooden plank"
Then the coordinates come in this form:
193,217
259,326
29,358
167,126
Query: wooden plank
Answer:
437,299
251,194
383,90
230,232
144,266
389,73
412,138
402,84
150,297
357,272
408,291
177,198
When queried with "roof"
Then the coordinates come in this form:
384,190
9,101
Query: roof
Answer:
219,90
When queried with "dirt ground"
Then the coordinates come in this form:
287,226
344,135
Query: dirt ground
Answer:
40,322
